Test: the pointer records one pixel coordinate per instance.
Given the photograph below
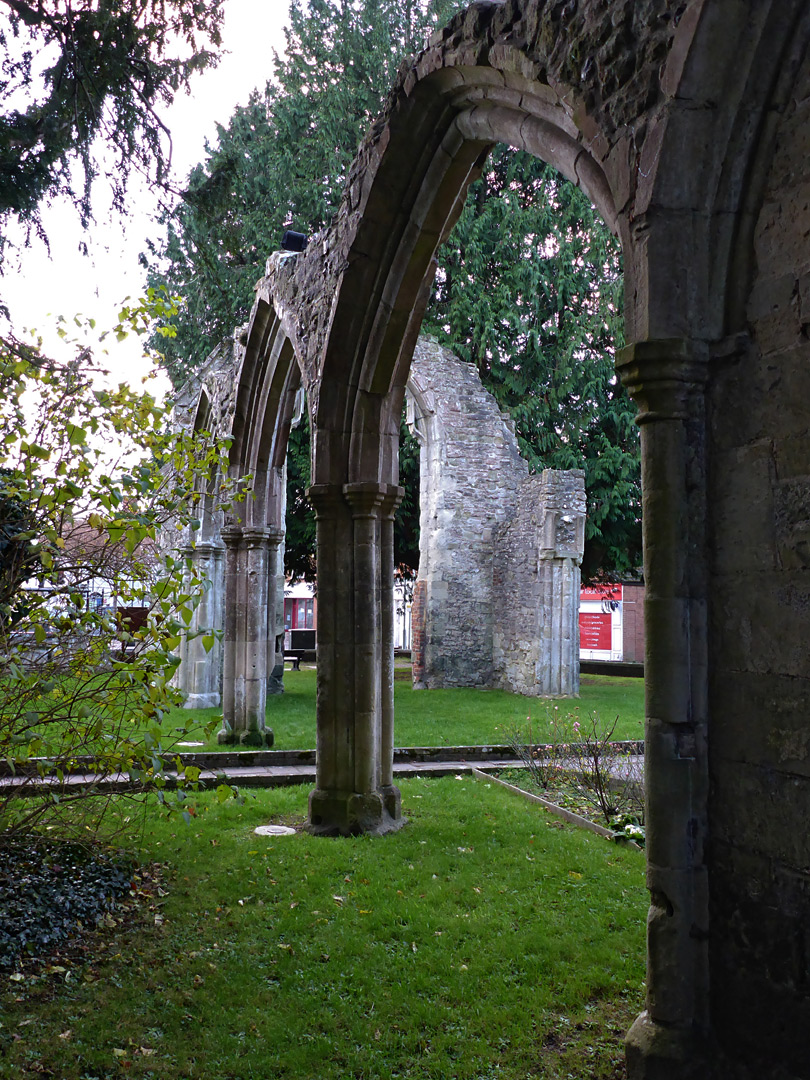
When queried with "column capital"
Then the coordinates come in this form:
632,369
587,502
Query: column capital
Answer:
275,536
231,535
206,549
256,537
365,498
327,500
391,500
662,376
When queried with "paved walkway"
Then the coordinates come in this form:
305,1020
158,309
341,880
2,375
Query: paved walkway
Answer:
278,768
271,768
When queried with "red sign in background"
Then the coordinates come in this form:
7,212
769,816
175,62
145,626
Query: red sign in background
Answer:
603,592
595,630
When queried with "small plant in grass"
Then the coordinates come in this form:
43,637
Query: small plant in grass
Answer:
544,759
584,757
603,770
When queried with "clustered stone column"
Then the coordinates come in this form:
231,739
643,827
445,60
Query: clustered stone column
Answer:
250,565
198,675
667,381
560,557
355,791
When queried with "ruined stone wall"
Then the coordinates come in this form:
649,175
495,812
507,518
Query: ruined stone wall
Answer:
470,474
497,597
209,399
760,633
536,583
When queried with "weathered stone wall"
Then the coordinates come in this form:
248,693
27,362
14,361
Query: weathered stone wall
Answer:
470,472
537,555
760,634
497,596
687,126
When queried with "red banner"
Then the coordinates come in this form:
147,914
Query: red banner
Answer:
595,630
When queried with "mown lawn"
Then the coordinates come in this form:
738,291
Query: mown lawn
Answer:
443,717
484,940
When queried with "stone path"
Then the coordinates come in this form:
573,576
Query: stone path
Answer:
273,768
278,768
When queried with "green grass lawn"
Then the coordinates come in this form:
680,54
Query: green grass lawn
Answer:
485,940
443,717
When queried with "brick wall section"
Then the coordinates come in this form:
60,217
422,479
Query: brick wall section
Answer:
633,622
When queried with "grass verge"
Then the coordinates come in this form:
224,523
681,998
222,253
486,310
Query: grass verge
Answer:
462,717
484,940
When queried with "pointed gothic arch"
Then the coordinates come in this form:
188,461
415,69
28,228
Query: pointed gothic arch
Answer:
686,121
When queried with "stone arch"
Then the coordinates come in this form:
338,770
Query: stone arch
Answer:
254,408
672,114
478,83
267,382
445,127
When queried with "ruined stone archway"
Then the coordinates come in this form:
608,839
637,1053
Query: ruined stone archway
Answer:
246,392
686,121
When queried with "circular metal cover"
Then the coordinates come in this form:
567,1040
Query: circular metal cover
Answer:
274,830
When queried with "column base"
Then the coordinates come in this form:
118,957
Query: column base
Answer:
256,738
339,813
656,1052
225,735
202,701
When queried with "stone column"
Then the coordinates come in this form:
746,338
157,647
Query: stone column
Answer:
558,663
244,689
391,795
348,798
365,501
334,785
667,381
182,673
233,618
562,543
275,625
203,666
250,728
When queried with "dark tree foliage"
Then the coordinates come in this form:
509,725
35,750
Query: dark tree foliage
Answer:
528,289
299,543
16,565
281,161
406,522
77,71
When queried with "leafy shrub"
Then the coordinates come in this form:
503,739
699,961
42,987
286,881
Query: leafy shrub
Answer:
49,889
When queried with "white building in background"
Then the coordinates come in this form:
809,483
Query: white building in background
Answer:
301,616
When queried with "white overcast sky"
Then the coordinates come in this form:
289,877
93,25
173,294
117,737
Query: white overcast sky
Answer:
66,282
